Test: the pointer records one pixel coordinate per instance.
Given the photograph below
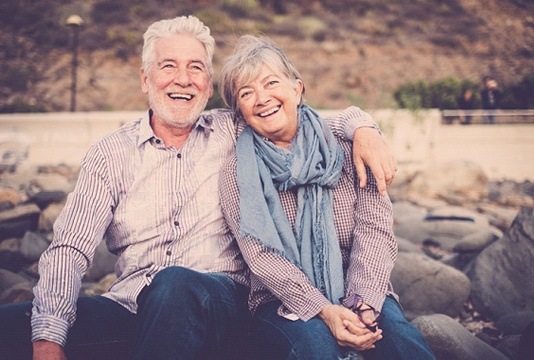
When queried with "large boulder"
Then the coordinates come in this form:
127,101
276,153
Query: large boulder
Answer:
426,286
502,275
449,340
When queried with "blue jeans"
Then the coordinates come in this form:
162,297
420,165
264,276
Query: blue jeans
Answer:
183,314
277,338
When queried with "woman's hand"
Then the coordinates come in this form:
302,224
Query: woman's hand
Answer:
348,329
369,148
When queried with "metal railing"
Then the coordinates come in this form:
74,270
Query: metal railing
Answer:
487,116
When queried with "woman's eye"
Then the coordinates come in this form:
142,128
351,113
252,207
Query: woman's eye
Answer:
244,94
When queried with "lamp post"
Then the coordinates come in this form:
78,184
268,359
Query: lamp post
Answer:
74,22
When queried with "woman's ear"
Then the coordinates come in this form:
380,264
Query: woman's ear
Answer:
299,88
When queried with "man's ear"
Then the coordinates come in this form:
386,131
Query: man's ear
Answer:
211,90
144,77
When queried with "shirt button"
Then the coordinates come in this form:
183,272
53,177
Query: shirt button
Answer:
179,155
158,141
176,223
168,253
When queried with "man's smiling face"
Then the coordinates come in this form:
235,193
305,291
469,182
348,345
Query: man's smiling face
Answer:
178,82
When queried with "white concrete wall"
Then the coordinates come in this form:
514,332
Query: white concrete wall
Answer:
418,139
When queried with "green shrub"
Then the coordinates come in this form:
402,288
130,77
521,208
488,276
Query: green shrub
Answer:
444,93
441,94
21,107
519,95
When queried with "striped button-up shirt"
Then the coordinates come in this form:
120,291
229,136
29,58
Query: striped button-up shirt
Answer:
155,206
364,225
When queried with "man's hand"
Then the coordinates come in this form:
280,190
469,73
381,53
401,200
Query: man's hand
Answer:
369,148
348,329
48,350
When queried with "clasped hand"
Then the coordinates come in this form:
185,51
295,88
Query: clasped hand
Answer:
348,328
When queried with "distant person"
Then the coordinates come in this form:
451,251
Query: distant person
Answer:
490,95
466,102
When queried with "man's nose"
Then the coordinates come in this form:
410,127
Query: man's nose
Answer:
182,78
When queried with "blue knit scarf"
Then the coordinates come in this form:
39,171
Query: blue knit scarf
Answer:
313,165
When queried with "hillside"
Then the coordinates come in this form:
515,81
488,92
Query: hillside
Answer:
349,52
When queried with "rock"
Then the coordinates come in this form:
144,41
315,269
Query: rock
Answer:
446,233
407,246
45,198
508,346
502,275
102,286
499,217
32,246
449,340
10,196
459,261
22,291
52,182
103,263
460,212
526,343
49,216
12,245
404,211
15,222
427,286
514,323
12,261
476,242
8,279
456,178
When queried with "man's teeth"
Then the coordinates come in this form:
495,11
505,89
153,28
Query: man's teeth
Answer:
269,112
181,96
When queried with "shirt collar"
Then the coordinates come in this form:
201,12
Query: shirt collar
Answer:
204,123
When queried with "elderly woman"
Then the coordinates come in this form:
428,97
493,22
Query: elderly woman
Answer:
319,247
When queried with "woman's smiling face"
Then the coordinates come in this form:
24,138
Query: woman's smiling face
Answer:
269,105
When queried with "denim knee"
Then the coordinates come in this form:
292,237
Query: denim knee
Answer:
401,339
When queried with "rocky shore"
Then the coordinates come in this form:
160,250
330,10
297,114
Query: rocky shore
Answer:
464,274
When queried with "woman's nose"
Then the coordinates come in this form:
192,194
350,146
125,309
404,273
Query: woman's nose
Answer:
263,97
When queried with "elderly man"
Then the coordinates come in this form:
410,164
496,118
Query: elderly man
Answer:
150,190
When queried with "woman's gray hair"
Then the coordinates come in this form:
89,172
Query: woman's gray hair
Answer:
251,52
182,25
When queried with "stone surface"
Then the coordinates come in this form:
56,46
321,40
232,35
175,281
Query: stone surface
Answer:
15,222
49,216
103,263
502,275
32,246
514,323
446,233
449,340
427,286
